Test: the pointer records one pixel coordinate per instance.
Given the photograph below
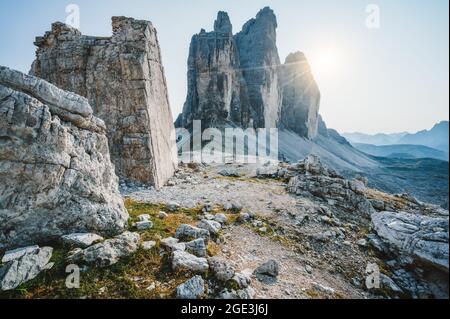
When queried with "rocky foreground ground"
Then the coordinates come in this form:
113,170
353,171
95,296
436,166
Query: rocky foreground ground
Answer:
247,231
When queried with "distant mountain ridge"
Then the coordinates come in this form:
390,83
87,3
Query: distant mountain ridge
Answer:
402,151
437,137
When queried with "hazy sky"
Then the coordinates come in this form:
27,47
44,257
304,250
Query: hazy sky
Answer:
390,79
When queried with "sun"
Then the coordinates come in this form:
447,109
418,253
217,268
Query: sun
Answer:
325,61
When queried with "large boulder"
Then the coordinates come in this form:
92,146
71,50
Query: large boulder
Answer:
123,79
56,173
419,237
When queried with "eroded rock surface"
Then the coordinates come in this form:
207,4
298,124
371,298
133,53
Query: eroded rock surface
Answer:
421,237
23,265
123,79
108,252
56,173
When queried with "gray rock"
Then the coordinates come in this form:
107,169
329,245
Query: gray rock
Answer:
23,265
267,172
324,289
172,244
212,226
220,218
126,65
56,174
184,261
221,269
229,172
267,272
144,225
148,245
162,215
242,280
244,217
81,240
173,206
108,252
389,284
421,237
187,232
191,289
19,252
196,247
143,217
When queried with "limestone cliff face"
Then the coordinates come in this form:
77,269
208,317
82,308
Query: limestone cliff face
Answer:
301,96
239,80
215,91
55,168
259,62
123,78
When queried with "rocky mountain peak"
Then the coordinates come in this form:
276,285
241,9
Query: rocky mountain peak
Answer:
295,57
222,23
267,15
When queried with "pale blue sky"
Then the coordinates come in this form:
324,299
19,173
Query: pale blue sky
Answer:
385,80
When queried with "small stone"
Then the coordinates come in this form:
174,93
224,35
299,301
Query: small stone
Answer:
262,229
162,215
81,240
243,217
241,279
191,289
143,217
147,245
362,242
220,218
308,269
212,226
197,247
172,244
144,225
221,269
184,261
173,206
323,289
188,232
268,271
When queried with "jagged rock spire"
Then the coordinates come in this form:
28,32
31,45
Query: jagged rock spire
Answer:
222,23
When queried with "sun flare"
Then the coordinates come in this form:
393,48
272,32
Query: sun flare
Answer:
326,61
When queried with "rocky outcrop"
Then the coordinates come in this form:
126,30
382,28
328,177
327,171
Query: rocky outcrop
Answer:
311,177
123,79
56,173
239,80
418,237
216,93
301,97
259,62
